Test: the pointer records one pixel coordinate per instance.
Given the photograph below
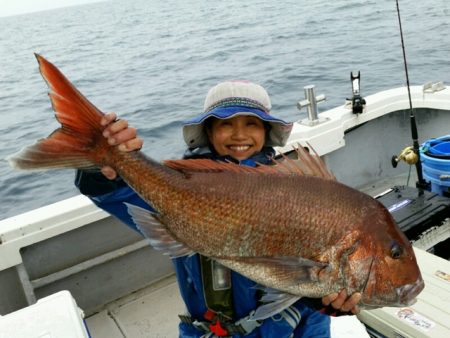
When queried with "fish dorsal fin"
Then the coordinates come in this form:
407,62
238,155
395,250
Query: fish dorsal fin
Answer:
304,165
159,237
208,165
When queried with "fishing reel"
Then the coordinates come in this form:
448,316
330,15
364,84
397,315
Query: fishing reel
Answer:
408,155
358,102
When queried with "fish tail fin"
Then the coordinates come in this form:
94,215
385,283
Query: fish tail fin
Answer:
78,143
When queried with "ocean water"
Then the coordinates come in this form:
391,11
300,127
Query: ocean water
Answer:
152,62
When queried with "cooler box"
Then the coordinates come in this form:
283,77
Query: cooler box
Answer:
429,317
55,316
435,157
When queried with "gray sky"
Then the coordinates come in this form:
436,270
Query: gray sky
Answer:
14,7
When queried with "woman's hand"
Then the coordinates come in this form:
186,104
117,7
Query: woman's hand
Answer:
341,302
119,134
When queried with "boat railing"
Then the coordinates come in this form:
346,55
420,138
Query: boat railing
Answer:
73,245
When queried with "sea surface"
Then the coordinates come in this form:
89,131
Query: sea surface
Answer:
152,62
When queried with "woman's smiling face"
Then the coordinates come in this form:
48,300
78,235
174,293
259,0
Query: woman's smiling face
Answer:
239,137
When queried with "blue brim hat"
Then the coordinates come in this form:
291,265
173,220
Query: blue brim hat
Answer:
234,98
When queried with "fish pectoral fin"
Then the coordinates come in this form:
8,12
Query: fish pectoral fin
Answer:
301,270
159,237
274,301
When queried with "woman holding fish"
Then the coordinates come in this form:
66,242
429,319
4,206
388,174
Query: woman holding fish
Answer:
237,127
291,229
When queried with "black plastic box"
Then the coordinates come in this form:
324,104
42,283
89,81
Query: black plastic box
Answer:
416,212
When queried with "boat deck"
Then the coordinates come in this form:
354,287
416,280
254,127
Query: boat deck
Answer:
150,312
153,312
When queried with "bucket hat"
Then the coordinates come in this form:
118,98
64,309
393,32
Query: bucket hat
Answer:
233,98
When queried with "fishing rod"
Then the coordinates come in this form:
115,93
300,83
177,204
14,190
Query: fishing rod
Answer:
421,183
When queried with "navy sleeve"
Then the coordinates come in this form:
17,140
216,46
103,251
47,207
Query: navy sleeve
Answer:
94,183
110,195
313,323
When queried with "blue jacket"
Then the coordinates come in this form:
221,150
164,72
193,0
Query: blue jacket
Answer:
300,320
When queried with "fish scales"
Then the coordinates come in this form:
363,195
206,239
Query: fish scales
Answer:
227,208
233,202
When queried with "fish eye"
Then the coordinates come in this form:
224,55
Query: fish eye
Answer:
396,250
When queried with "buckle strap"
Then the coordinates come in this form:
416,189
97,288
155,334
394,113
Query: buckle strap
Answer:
247,325
222,329
186,319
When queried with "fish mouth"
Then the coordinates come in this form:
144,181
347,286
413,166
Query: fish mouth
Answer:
404,295
407,293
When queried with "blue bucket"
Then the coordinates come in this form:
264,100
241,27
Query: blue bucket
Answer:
435,157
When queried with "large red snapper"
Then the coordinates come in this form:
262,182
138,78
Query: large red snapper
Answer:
287,230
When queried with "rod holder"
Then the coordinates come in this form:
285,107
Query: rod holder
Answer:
310,102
